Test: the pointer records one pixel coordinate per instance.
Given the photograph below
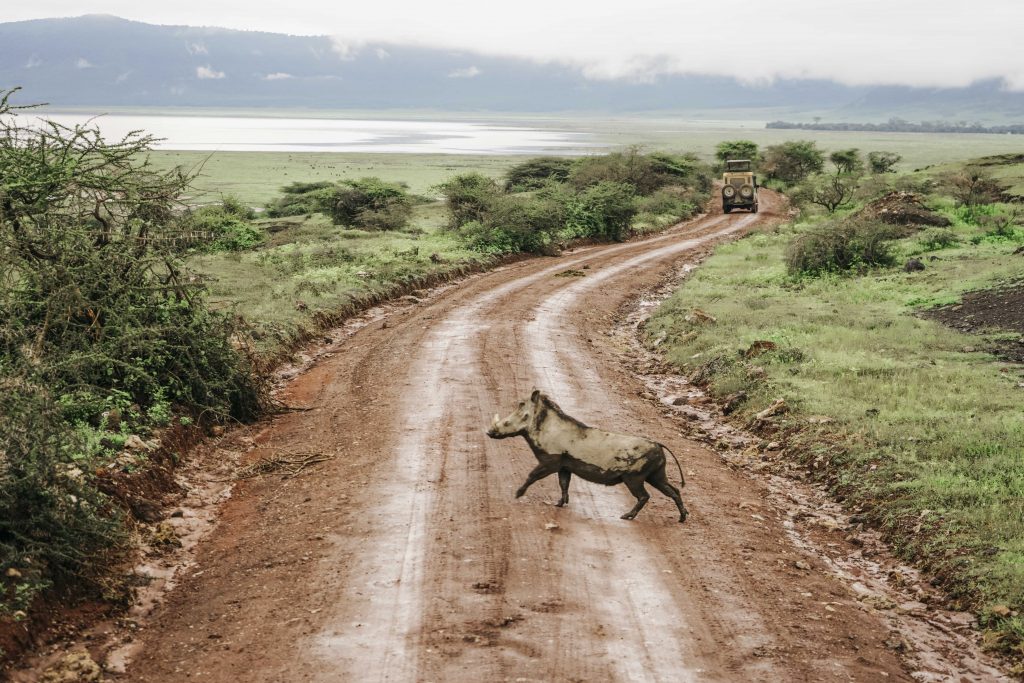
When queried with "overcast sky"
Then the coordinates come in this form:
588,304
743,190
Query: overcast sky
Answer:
912,42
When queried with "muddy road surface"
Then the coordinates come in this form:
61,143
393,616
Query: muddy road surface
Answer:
407,558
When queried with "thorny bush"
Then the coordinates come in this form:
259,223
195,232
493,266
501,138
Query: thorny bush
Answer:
103,333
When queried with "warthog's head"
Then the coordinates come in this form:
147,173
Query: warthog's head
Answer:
517,422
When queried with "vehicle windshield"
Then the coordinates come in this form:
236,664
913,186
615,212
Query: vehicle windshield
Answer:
737,165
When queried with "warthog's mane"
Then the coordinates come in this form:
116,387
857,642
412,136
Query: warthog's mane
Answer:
551,405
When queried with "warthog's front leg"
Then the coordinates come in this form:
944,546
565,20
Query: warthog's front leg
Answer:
635,485
538,473
564,476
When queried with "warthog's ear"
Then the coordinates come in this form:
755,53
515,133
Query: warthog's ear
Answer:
535,396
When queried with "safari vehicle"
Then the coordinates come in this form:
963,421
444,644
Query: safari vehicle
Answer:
739,186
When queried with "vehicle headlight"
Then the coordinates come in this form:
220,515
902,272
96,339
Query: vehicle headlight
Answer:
729,191
747,191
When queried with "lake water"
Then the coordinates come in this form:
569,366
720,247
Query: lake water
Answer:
254,134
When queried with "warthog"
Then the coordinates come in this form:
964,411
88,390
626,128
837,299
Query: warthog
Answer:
565,445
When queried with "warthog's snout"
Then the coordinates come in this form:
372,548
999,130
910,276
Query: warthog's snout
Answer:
493,429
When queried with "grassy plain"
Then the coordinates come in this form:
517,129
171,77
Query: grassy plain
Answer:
256,177
926,438
310,266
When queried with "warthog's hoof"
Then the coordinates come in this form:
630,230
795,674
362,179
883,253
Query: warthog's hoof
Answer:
561,503
682,517
628,515
519,493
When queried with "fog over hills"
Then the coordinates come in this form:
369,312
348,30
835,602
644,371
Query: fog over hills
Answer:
106,61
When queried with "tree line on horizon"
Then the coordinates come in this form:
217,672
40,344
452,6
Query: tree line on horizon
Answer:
898,125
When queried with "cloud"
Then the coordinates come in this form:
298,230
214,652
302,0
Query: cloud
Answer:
382,54
941,43
468,72
196,49
278,76
346,49
205,73
33,62
83,63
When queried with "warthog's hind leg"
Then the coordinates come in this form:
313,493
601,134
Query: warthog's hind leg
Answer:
659,481
538,473
636,487
564,476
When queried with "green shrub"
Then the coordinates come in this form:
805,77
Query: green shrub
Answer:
56,528
934,239
370,204
226,229
300,199
603,210
534,173
646,173
99,316
469,197
674,200
839,246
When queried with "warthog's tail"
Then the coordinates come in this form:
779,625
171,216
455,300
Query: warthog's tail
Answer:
682,479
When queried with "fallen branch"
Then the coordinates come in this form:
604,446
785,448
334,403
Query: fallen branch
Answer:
292,464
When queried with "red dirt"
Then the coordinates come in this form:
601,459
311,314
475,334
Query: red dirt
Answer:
406,557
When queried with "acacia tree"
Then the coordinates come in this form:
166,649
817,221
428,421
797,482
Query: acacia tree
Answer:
831,191
792,161
883,162
972,186
736,149
847,161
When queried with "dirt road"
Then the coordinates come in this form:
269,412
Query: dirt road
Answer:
406,557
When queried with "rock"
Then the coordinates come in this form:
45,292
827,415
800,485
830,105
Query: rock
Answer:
733,401
164,535
436,258
217,430
679,401
550,525
898,644
1001,611
800,564
756,372
113,419
758,347
135,443
178,513
699,316
773,446
77,667
13,573
912,607
778,407
301,306
144,510
411,299
913,265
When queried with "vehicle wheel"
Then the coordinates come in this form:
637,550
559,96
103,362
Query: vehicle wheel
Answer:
727,209
754,209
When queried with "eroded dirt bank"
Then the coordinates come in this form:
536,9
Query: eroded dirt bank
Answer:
406,558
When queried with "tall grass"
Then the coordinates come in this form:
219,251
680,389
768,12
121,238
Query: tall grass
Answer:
928,439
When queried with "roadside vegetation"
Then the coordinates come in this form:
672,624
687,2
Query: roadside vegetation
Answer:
914,425
104,340
330,247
